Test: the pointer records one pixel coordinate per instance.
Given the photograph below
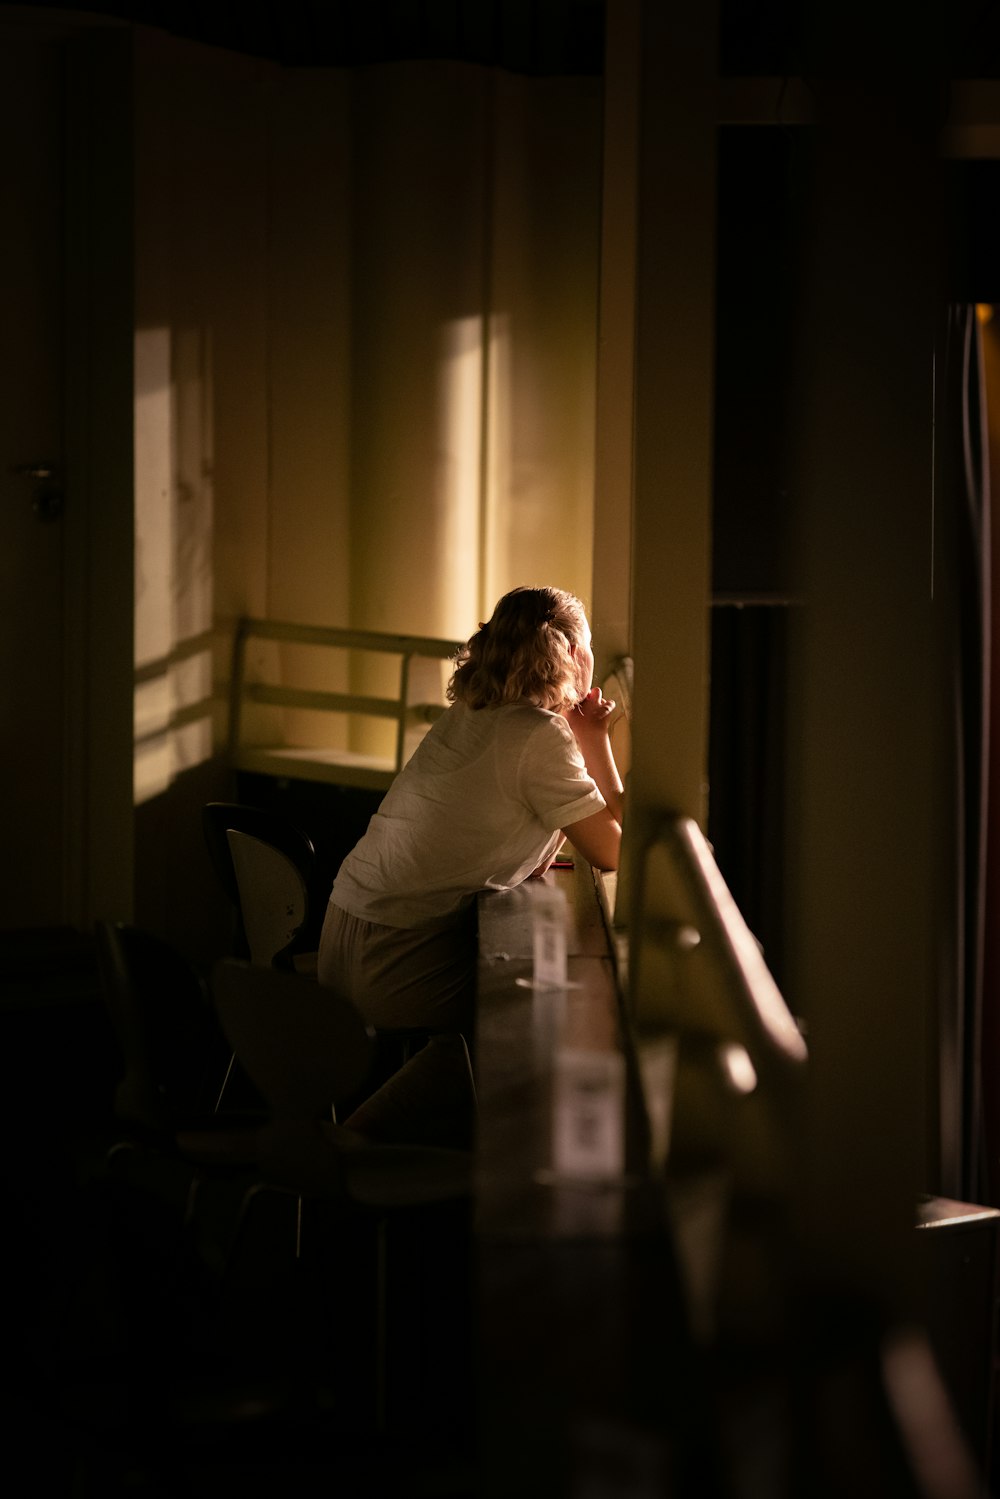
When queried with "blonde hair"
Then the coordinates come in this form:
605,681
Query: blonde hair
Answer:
523,651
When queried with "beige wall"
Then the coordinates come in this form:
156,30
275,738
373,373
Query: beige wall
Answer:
475,284
309,330
366,312
545,258
201,494
393,274
475,260
201,350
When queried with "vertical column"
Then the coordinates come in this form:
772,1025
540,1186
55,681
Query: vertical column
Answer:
674,359
863,789
611,597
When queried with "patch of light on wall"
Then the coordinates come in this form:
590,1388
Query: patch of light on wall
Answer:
173,556
154,487
460,407
474,467
496,578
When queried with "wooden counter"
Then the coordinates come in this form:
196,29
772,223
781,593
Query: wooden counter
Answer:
586,1363
520,1033
643,1332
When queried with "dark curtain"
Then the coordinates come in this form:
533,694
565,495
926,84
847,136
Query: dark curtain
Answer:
961,585
990,1030
746,764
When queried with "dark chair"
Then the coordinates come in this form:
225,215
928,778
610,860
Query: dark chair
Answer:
183,1180
268,869
329,1138
307,1051
397,1171
174,1054
176,1172
172,1137
204,1217
310,1053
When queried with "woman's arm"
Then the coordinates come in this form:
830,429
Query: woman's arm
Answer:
590,721
598,837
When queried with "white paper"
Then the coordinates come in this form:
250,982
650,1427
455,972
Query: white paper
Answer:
589,1122
550,917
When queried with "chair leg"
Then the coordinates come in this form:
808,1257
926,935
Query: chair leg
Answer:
225,1082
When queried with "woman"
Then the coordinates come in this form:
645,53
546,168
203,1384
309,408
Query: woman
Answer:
521,759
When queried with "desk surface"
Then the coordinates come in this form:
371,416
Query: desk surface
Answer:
520,1035
615,1319
578,1291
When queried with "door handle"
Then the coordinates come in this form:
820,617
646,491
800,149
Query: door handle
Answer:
46,489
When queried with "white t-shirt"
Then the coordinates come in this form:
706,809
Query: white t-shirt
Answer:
479,806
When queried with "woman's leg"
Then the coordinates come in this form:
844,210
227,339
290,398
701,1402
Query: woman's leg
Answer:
430,1100
406,980
402,977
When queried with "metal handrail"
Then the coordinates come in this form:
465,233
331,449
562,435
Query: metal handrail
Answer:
707,927
699,987
705,1017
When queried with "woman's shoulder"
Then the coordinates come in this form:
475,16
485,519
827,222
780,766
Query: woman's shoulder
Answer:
527,722
512,726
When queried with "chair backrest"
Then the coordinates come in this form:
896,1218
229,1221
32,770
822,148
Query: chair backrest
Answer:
173,1051
305,1048
274,897
267,867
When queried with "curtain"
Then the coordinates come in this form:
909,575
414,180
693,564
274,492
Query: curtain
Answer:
747,766
474,276
962,596
366,349
988,1063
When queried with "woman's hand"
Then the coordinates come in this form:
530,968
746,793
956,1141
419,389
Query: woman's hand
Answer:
589,717
590,721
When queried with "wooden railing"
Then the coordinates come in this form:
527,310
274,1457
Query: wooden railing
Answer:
412,705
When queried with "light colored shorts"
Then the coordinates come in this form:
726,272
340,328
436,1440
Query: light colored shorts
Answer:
402,976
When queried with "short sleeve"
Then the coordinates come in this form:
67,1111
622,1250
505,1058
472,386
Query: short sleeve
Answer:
553,779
